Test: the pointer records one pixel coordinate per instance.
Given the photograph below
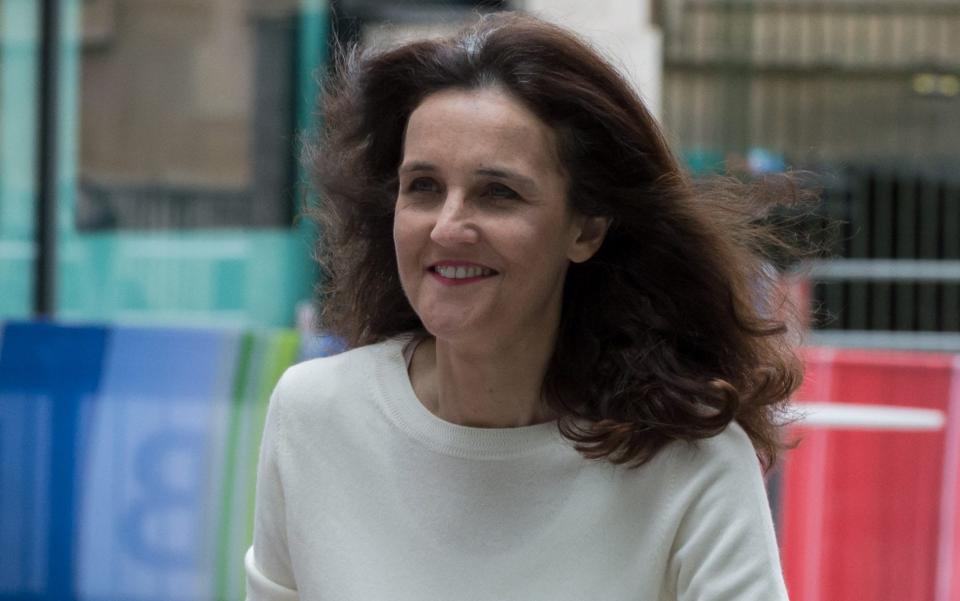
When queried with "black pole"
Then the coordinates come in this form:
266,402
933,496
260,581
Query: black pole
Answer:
45,273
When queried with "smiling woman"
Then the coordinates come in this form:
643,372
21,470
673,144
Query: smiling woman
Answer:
562,374
483,264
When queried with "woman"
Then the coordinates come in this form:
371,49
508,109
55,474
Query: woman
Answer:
560,377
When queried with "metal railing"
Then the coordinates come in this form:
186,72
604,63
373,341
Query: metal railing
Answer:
897,259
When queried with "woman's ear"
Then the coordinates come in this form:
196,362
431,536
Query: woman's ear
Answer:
592,232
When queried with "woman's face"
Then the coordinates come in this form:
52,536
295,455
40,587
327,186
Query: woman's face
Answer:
483,231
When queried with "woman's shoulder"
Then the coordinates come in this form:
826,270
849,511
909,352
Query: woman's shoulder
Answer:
728,457
315,381
689,467
730,445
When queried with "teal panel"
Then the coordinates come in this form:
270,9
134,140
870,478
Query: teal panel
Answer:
314,26
68,113
19,56
227,278
16,278
703,161
312,50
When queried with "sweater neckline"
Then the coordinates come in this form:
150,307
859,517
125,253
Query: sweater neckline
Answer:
404,409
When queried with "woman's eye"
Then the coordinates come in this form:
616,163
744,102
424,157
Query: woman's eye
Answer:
501,191
422,184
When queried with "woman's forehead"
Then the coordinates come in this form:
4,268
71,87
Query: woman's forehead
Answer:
485,125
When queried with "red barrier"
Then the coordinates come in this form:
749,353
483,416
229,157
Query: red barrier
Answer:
869,513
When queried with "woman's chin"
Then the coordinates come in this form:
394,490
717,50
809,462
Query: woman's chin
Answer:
446,331
453,328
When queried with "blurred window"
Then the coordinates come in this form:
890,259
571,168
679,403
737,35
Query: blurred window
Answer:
187,114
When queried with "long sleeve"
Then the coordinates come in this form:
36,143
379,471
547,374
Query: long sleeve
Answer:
725,547
267,563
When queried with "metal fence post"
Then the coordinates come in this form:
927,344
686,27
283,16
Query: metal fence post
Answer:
44,284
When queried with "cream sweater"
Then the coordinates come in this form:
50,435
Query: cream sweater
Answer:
363,494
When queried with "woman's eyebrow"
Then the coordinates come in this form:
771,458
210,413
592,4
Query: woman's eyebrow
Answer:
498,172
506,174
416,166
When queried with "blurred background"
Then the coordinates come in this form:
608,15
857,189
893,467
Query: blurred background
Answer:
155,276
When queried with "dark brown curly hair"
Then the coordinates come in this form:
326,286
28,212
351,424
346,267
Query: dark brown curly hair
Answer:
666,333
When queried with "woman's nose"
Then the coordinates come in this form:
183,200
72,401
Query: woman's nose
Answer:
455,222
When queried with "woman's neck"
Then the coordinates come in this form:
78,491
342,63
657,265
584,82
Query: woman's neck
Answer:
489,386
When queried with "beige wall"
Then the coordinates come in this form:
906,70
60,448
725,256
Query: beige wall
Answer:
622,29
166,91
